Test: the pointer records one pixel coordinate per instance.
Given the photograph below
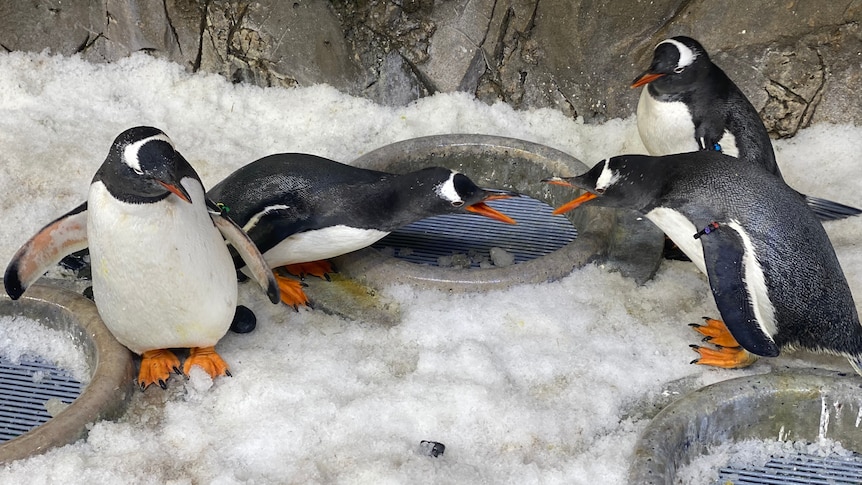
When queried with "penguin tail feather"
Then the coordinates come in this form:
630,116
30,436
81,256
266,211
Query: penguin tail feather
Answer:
827,210
856,363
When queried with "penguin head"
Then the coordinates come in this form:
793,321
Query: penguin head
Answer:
454,192
626,181
677,62
143,166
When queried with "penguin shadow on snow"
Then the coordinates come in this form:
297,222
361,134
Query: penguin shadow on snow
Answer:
153,238
773,272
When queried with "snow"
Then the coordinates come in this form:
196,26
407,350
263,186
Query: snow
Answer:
23,339
548,383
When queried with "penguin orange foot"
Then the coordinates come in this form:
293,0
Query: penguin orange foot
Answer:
715,332
156,367
207,359
291,291
725,357
320,268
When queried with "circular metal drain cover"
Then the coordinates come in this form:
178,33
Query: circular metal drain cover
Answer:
479,240
23,405
803,405
548,250
111,379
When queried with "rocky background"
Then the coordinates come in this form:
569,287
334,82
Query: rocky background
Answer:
798,61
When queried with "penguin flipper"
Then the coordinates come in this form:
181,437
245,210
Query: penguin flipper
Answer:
61,237
247,250
827,210
724,255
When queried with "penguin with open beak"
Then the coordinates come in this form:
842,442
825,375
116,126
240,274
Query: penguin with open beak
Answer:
302,209
773,272
163,277
688,103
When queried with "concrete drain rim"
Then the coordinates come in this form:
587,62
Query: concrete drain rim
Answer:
786,405
510,164
111,366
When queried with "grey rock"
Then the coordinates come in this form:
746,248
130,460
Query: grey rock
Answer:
798,62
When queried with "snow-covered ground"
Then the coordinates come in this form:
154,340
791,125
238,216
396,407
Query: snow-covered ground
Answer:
548,383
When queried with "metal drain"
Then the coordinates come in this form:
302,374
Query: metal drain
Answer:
537,233
803,468
26,387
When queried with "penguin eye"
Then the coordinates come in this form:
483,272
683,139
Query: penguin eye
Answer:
600,191
678,69
138,171
457,203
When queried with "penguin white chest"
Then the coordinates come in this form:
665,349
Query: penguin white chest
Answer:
681,231
667,127
321,244
162,275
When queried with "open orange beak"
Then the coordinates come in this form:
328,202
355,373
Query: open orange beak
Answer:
585,197
646,78
484,209
178,190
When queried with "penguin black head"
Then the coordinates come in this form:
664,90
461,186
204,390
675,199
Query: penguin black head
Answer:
143,166
676,63
455,192
630,181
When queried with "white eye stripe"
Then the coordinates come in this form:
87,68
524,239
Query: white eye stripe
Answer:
447,191
130,153
607,178
686,55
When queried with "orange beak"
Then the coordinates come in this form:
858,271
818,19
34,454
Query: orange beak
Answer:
586,197
484,209
646,78
178,190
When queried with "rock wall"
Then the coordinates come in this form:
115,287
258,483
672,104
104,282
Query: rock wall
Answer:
799,62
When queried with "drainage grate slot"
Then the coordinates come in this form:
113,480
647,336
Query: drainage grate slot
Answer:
798,469
431,240
25,387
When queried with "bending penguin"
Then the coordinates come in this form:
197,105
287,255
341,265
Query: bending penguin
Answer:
300,209
688,104
162,274
771,267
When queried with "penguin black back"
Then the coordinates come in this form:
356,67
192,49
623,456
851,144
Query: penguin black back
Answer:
287,193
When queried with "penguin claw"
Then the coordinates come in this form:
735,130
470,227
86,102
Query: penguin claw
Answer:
321,269
291,291
156,366
715,332
724,357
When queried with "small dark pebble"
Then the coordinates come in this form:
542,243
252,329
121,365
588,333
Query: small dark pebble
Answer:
244,320
431,448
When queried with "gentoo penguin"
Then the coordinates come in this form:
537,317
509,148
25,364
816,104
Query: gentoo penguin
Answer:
162,274
688,103
771,267
301,208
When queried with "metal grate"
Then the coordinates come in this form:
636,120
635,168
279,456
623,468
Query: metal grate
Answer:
25,387
537,233
798,469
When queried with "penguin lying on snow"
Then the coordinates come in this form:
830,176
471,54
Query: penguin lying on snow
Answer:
771,267
301,208
162,274
688,103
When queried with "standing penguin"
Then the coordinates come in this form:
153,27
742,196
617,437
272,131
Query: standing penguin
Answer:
301,208
162,274
688,103
771,267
